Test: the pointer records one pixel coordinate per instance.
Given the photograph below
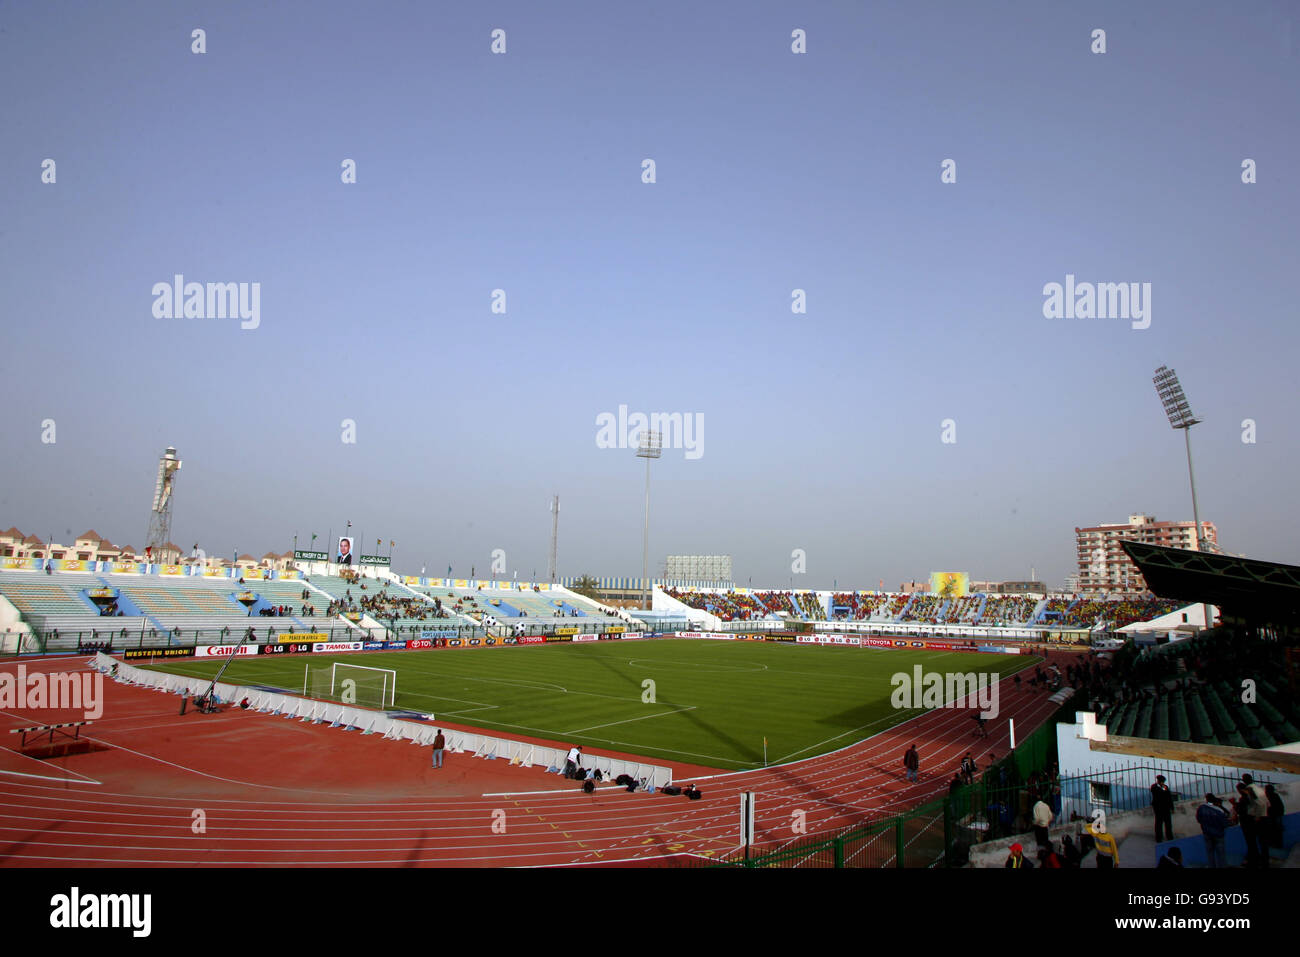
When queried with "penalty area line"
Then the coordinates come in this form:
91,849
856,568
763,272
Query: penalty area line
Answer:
643,717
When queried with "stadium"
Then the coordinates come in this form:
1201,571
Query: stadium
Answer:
298,685
617,446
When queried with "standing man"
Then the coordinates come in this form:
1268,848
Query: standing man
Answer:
1214,821
1257,809
912,761
1241,811
1162,802
968,768
1042,821
1276,811
439,745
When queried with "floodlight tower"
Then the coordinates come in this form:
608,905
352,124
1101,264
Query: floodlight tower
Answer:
650,446
555,533
160,517
1180,415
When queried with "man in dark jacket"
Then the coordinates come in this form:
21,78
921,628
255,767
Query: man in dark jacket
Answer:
1070,852
1162,802
1276,811
1214,821
912,761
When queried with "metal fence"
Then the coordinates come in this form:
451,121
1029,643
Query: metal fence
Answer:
941,832
932,834
913,839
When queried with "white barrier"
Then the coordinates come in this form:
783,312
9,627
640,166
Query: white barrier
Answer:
377,722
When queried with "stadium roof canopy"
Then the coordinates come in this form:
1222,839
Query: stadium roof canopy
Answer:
1244,588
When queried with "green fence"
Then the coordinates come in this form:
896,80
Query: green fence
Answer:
914,839
940,833
935,833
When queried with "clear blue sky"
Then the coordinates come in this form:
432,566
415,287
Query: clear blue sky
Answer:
775,171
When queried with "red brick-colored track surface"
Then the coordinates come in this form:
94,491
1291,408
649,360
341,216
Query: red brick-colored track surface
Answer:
244,789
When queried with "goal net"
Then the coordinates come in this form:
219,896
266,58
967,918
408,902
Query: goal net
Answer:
361,685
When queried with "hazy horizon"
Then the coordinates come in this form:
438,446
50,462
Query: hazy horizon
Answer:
522,172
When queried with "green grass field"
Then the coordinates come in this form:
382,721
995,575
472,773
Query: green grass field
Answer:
712,704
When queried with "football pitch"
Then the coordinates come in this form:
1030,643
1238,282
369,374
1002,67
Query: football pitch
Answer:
699,702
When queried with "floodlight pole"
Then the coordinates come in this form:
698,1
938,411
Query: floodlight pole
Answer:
1196,517
1180,416
649,447
645,538
1196,514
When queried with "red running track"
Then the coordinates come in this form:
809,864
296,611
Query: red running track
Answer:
238,789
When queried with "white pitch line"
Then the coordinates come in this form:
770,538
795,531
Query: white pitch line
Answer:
782,760
464,711
46,777
643,717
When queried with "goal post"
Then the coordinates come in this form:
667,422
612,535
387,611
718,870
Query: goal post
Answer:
364,679
362,685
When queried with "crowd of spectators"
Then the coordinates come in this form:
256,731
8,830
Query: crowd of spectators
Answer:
385,606
964,610
811,607
860,607
1004,610
924,608
1118,612
729,606
977,609
777,602
1056,607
